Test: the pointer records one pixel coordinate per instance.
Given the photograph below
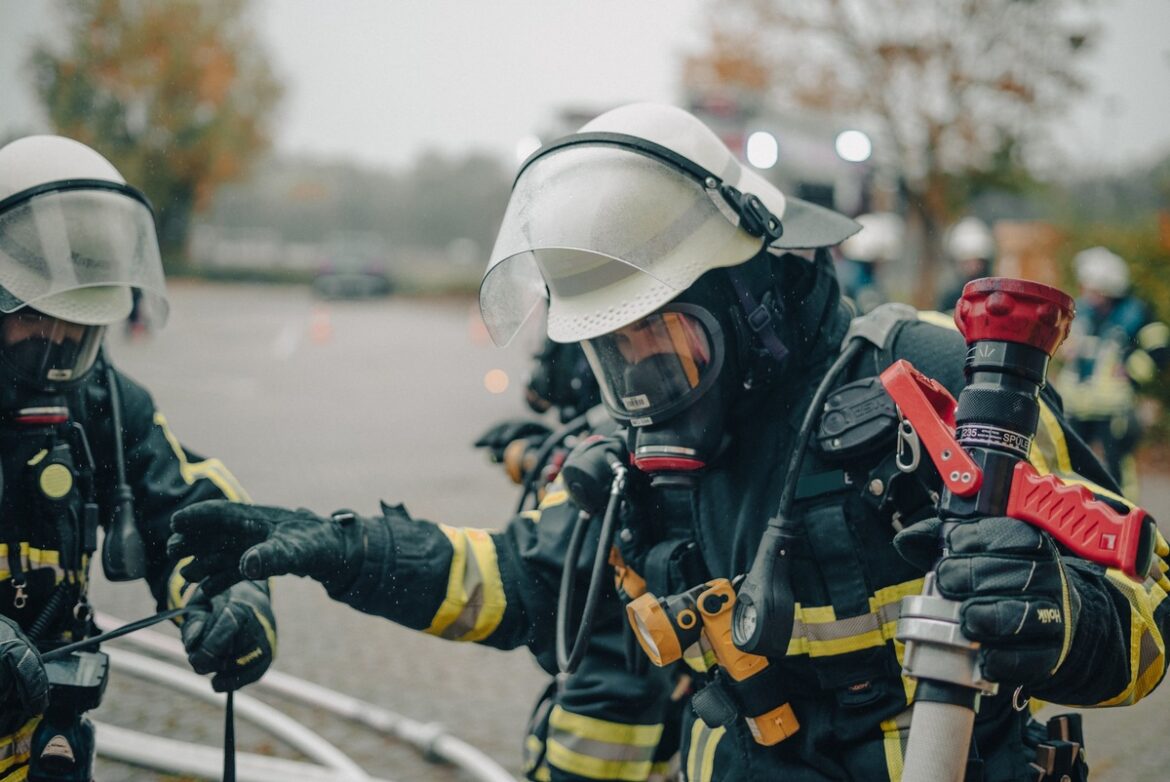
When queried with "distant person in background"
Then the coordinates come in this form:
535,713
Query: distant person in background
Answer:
1116,347
970,247
866,256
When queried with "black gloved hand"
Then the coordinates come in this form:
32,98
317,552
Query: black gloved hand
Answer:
24,687
1017,599
231,541
499,436
231,635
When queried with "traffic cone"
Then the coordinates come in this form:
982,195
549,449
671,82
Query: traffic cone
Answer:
320,326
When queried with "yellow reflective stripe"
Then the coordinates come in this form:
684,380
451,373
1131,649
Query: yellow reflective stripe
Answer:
31,559
1140,367
1066,607
15,749
894,746
269,630
555,494
1147,648
664,770
701,753
600,749
818,633
1050,454
1053,433
179,589
211,469
1153,336
475,602
603,730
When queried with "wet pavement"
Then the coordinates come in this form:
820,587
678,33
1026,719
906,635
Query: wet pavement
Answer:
343,404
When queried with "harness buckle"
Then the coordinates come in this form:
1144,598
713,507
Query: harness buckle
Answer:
759,318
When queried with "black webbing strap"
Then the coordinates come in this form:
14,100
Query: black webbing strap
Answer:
759,317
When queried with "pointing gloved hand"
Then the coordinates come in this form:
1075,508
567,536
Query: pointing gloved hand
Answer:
231,635
24,687
1017,600
231,541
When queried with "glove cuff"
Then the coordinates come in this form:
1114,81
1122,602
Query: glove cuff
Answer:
367,557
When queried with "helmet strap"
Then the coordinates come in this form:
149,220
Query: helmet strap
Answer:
758,316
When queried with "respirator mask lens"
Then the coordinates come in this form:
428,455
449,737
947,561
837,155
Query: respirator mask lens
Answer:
46,352
658,365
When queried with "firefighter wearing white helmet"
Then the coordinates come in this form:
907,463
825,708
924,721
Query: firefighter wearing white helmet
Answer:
865,256
1117,347
970,246
83,446
707,307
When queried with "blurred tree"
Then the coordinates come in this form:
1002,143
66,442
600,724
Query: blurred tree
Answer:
176,93
952,87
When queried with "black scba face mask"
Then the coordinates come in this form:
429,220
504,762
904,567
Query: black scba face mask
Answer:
661,376
41,354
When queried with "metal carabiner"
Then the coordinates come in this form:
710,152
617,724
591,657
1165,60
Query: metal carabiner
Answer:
908,442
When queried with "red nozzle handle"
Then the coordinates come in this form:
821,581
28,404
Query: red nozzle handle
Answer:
1010,310
930,409
1082,523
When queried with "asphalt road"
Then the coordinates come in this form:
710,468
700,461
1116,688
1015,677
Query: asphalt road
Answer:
341,405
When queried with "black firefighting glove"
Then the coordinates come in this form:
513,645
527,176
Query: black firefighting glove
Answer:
24,687
1017,600
231,635
499,436
231,541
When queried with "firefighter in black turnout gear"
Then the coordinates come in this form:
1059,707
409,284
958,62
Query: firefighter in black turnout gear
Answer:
707,307
81,447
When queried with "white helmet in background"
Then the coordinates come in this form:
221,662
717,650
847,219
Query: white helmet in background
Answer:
879,240
74,237
1102,271
970,238
614,221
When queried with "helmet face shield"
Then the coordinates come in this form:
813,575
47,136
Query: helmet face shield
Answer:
658,365
74,249
46,352
609,235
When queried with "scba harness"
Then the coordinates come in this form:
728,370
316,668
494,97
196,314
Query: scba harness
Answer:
857,485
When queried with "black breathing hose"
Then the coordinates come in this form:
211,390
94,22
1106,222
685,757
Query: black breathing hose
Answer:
569,659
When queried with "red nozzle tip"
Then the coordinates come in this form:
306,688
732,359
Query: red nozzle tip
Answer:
1011,310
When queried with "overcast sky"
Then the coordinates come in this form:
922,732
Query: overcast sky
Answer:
382,80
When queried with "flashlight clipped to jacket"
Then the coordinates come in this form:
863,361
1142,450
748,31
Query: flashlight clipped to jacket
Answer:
666,627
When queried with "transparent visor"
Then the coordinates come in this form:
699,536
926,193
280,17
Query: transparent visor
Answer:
609,235
45,351
657,365
75,255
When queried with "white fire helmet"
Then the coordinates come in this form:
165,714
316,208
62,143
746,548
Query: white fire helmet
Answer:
970,238
610,223
879,240
1102,271
74,237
